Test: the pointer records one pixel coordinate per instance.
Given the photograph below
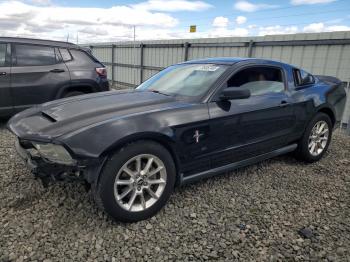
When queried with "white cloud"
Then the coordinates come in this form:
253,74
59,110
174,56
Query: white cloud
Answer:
277,30
310,2
220,21
240,20
321,27
314,28
40,2
246,6
172,5
21,19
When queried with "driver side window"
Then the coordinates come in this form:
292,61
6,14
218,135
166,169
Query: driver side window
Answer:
259,80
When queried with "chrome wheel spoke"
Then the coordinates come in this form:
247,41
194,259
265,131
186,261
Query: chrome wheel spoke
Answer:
321,128
151,193
138,164
128,171
132,199
143,201
124,182
153,172
148,166
156,181
125,193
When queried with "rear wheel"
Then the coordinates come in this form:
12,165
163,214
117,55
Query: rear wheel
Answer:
316,139
136,182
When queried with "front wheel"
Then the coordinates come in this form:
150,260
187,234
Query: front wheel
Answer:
316,139
136,182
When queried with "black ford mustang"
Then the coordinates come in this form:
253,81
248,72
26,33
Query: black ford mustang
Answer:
190,121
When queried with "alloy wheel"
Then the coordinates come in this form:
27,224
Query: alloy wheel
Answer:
318,138
140,182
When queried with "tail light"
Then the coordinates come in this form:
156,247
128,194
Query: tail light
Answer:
101,71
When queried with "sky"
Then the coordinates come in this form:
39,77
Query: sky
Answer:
91,21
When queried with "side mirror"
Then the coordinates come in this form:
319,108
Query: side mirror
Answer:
307,80
231,93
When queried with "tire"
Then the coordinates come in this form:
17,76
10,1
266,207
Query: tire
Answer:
110,196
304,151
73,93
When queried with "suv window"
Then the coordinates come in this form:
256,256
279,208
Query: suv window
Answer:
3,48
81,57
33,55
259,80
302,78
66,56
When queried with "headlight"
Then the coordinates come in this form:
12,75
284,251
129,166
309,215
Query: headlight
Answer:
54,153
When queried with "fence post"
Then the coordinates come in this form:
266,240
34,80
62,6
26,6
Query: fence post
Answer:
112,65
187,46
347,106
141,62
250,48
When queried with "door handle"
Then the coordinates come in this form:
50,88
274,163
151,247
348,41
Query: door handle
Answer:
2,73
57,71
284,103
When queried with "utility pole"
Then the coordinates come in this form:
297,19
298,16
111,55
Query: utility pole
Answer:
68,37
77,38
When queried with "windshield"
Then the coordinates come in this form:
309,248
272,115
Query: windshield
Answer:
184,80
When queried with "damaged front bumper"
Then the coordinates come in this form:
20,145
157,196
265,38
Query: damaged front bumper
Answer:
48,171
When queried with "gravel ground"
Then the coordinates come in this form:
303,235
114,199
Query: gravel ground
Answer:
254,213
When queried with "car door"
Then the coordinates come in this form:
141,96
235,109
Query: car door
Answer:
244,128
5,80
38,73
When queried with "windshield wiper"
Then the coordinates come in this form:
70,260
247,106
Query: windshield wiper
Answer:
158,92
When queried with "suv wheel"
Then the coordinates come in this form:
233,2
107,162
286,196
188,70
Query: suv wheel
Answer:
73,93
136,182
316,138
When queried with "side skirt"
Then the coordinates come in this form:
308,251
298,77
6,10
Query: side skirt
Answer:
235,165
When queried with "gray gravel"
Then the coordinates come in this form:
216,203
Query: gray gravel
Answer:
254,213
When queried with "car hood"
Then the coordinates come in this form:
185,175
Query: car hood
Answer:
60,117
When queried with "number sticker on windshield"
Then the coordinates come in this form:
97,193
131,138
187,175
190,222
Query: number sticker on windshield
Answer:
208,68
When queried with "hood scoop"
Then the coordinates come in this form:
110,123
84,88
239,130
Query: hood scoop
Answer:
48,117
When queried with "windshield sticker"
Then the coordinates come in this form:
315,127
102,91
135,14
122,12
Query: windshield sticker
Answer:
208,68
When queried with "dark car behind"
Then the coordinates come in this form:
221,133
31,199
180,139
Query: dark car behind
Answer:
36,71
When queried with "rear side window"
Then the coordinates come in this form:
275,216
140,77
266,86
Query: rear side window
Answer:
81,56
3,48
33,55
259,80
66,56
303,78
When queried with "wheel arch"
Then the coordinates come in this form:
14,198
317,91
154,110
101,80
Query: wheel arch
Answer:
85,87
161,139
328,111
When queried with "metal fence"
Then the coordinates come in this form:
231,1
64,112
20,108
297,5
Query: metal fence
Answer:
131,63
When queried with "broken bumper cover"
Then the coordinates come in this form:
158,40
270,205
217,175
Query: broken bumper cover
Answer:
41,167
49,171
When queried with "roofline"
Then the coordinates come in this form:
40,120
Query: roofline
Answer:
218,61
235,60
37,41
